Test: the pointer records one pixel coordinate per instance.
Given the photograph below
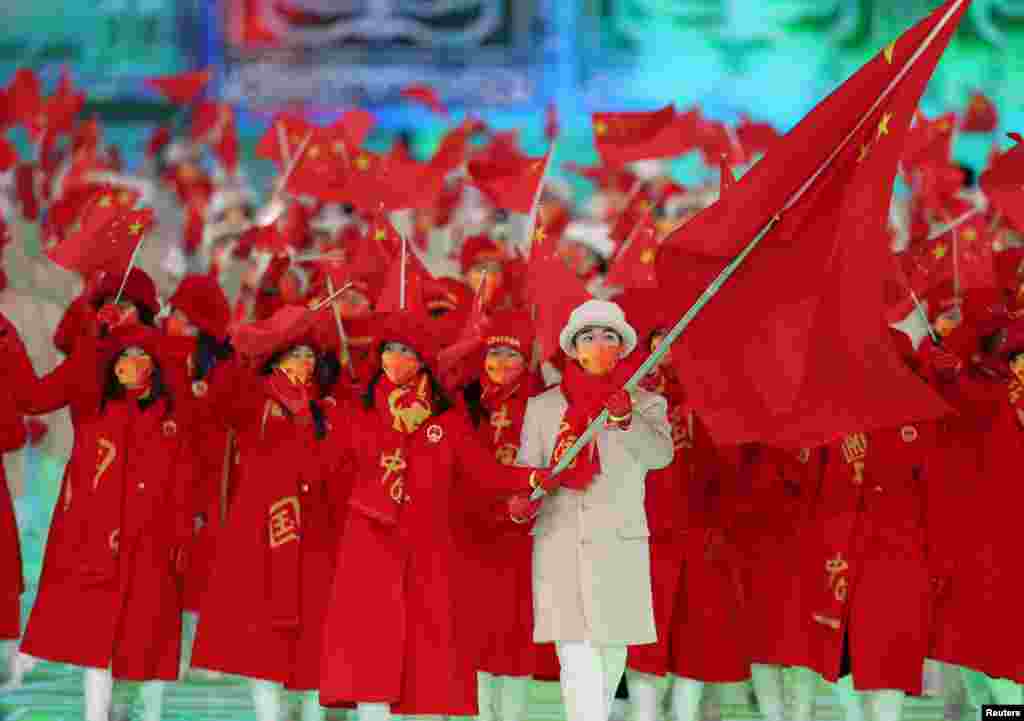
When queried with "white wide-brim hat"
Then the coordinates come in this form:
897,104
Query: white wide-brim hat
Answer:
597,314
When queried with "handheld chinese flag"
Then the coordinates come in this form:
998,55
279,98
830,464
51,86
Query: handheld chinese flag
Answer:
282,139
1003,183
425,95
929,142
795,350
103,238
183,88
355,125
756,137
623,138
981,116
510,181
8,155
634,266
322,165
552,289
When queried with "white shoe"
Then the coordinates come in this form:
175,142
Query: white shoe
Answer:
620,710
20,664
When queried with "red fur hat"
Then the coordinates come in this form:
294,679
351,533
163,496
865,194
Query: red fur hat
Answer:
479,249
414,330
202,300
139,289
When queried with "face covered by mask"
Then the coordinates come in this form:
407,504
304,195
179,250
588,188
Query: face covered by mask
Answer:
400,363
134,368
598,350
298,365
504,365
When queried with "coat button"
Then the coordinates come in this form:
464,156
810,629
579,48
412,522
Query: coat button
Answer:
305,488
142,486
878,489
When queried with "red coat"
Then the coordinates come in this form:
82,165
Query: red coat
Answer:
866,562
209,441
498,556
971,613
132,620
263,610
398,636
779,485
12,437
710,591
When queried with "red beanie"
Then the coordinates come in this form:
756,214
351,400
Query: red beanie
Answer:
414,330
201,299
139,289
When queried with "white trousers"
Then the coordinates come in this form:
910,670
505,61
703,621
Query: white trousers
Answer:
502,698
590,673
98,686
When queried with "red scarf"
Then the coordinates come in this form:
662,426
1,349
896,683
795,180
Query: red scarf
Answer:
506,408
586,395
293,397
1015,392
402,411
100,485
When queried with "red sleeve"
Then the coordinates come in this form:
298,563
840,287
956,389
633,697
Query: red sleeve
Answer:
76,381
479,471
234,394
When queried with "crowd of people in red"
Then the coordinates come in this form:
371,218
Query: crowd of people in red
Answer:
310,462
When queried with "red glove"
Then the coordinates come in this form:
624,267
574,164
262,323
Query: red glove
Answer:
620,409
522,510
275,271
542,478
37,431
109,316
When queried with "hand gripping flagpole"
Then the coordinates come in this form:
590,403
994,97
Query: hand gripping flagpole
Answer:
342,338
588,435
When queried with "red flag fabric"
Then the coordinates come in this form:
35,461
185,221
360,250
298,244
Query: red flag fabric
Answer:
210,120
1003,183
415,277
627,137
552,289
756,137
929,142
8,154
158,140
25,187
509,182
716,141
355,125
793,350
976,255
25,97
634,266
386,180
324,162
103,238
183,88
425,95
981,115
640,205
451,153
726,179
291,128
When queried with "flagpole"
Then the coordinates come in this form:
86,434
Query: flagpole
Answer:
535,206
956,266
401,277
343,339
282,142
317,306
924,315
588,435
128,270
953,225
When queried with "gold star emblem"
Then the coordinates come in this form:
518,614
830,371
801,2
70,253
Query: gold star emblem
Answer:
883,124
864,148
645,205
539,236
600,127
889,49
939,252
380,234
135,228
648,256
105,201
535,166
362,162
970,235
314,152
125,198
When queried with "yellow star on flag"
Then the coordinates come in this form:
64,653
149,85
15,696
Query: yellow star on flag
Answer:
889,49
105,201
939,252
125,198
648,256
380,234
970,235
362,162
135,228
314,152
539,235
645,205
864,149
600,127
883,124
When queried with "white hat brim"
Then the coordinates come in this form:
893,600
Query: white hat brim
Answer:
579,321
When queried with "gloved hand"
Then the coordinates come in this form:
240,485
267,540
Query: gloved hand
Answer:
620,409
542,478
522,510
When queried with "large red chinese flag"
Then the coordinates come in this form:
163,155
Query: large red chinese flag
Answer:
509,180
794,350
553,289
622,138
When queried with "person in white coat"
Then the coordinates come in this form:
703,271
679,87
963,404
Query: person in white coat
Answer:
591,558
